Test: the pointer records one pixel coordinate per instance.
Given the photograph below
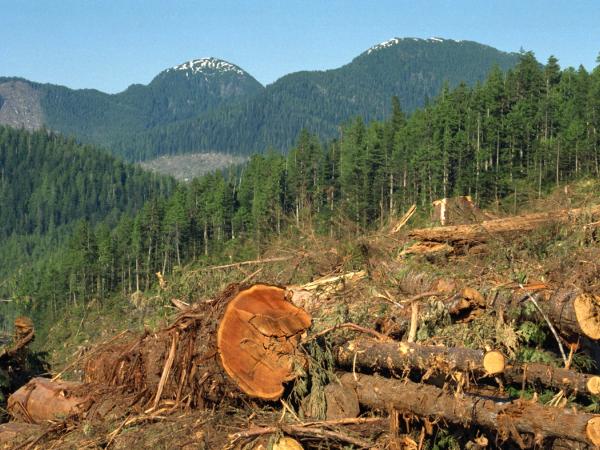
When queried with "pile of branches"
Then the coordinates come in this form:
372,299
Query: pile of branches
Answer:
255,348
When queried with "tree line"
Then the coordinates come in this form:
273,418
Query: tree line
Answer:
530,129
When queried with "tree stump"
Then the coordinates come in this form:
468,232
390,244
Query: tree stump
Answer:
257,339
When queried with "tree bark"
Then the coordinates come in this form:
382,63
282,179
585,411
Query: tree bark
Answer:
490,229
42,399
572,312
508,419
367,353
555,377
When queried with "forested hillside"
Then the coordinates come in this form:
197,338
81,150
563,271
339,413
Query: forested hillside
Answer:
175,94
508,139
412,69
209,105
48,184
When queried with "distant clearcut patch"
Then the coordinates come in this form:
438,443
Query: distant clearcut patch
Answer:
187,166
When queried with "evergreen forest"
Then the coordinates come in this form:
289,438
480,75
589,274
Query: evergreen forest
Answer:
517,134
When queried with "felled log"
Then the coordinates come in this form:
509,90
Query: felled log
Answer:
43,399
574,313
546,375
368,353
312,295
462,304
508,419
241,341
571,311
488,229
257,340
456,210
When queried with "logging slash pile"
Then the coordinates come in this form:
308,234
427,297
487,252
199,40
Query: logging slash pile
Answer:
416,349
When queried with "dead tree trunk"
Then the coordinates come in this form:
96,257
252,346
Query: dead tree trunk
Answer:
573,312
508,419
42,399
488,229
569,380
24,334
372,354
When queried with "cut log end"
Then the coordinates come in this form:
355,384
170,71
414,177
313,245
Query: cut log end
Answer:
494,362
587,311
593,385
257,340
287,443
592,430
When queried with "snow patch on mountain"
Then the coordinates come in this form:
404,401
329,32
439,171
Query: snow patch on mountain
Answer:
204,65
386,44
397,40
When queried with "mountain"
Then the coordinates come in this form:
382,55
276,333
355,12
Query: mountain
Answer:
177,93
212,105
412,69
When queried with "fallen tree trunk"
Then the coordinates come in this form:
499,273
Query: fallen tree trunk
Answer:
568,380
43,399
367,353
488,229
508,419
572,311
24,334
243,340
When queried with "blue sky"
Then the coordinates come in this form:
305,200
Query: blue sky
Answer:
111,44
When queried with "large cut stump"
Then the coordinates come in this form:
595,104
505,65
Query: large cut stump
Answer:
43,399
257,340
241,341
508,419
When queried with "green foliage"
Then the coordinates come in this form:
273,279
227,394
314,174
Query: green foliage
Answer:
444,440
60,202
531,333
311,383
533,336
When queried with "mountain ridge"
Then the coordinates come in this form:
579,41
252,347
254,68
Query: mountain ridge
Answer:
209,104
